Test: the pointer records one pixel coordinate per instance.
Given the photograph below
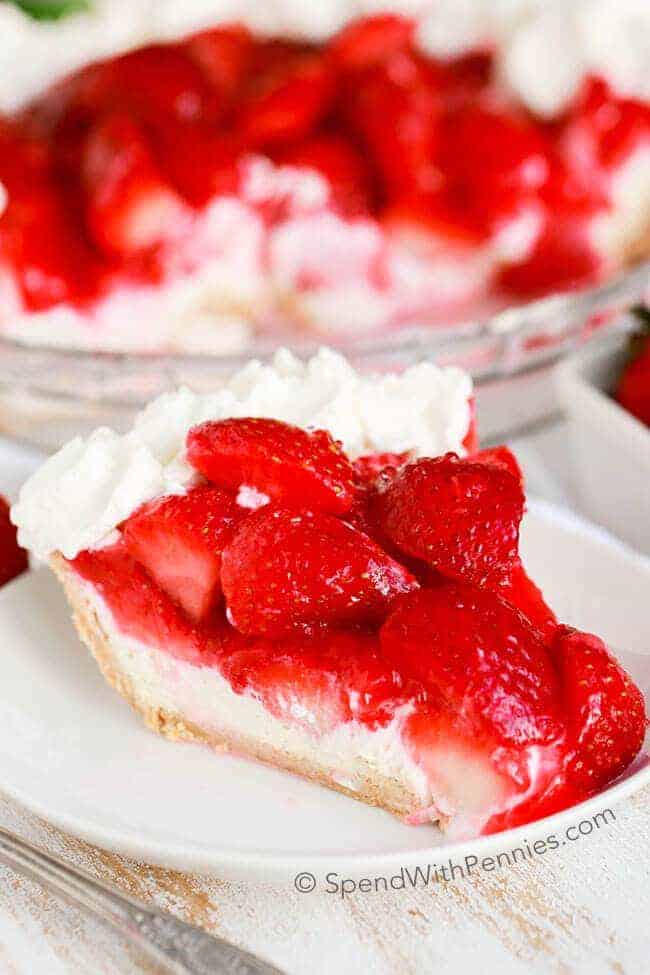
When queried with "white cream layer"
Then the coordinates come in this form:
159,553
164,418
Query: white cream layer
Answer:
544,47
79,496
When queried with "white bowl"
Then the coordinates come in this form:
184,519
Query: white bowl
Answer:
610,447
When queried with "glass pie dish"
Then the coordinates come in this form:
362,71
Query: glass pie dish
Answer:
49,394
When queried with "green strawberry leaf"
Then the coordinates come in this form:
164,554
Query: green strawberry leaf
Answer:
51,9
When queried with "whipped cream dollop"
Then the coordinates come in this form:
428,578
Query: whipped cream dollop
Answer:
82,493
543,47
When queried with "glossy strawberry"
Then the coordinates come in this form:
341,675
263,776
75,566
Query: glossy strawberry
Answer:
394,108
487,663
371,40
459,516
370,466
13,558
285,98
224,56
633,392
615,125
160,80
198,161
500,457
179,540
306,469
344,168
286,568
514,165
318,680
520,590
130,206
605,710
563,258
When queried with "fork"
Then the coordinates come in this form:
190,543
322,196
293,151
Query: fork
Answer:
175,947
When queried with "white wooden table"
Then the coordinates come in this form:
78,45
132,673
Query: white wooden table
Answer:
582,909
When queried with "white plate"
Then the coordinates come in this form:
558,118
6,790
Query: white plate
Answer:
72,750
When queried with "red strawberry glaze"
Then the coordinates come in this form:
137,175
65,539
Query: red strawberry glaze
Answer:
399,137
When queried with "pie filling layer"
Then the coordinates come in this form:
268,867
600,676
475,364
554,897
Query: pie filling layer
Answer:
182,194
381,597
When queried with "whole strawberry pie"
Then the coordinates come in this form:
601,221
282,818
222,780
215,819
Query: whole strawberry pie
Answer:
320,570
198,176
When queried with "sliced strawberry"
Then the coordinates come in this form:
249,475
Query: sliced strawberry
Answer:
633,392
563,258
502,457
179,540
285,98
459,516
616,125
286,568
605,709
514,164
161,80
519,590
371,40
13,558
369,467
481,656
40,235
199,162
130,207
394,109
224,56
283,462
344,168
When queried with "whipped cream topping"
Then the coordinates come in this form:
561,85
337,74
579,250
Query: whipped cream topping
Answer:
544,47
82,493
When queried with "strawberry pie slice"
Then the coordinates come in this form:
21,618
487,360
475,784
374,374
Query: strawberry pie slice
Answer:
320,571
205,175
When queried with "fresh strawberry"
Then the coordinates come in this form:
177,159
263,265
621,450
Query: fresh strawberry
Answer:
224,56
199,162
287,568
179,540
371,40
514,164
502,457
130,207
616,125
283,462
46,248
344,168
519,590
605,710
13,558
285,98
161,80
459,516
393,109
563,258
369,467
40,236
489,665
633,392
